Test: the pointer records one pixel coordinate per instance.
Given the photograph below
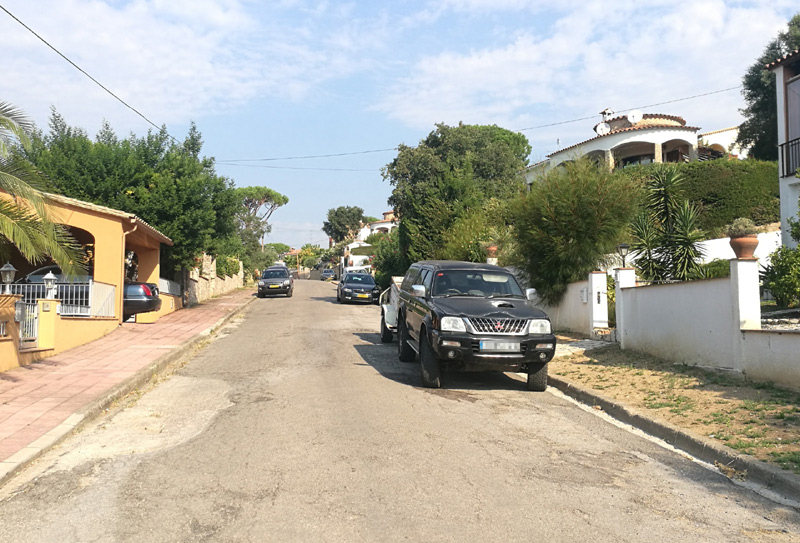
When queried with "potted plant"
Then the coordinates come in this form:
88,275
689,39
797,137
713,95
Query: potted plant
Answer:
744,240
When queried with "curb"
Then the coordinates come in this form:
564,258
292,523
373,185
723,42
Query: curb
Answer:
93,409
773,478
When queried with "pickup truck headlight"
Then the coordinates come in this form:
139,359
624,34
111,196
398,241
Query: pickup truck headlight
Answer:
539,326
453,324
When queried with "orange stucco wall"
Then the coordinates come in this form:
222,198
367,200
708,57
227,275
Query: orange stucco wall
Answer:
169,304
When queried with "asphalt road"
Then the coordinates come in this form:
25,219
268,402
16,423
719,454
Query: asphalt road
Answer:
297,424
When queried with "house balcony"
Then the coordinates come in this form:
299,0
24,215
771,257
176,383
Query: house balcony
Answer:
790,158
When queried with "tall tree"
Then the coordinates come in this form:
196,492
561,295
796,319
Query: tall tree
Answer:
258,205
343,222
759,131
162,181
453,170
25,224
569,221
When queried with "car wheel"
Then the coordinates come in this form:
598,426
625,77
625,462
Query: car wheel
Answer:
404,351
537,377
386,334
289,294
429,365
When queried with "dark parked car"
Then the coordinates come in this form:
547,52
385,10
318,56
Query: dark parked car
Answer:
71,290
327,274
471,317
275,280
357,287
140,298
37,276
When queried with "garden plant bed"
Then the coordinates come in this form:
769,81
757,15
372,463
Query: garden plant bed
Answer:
757,419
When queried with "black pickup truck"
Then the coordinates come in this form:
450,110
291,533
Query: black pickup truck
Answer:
473,317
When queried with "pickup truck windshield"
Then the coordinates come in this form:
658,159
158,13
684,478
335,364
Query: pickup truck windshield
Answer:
475,283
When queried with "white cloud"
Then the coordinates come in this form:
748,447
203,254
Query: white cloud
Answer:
596,54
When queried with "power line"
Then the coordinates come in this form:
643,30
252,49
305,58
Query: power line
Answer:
123,102
228,163
308,156
638,107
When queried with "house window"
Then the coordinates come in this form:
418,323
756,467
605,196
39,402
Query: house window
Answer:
634,160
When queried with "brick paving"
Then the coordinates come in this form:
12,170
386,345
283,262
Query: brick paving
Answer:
41,402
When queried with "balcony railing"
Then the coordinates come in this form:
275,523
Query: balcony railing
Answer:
790,158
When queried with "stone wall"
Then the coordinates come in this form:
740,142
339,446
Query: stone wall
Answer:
204,283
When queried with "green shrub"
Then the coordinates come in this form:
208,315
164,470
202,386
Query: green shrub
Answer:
724,190
782,276
389,259
227,266
713,270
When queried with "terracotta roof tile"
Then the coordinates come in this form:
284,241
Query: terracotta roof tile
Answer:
631,129
784,59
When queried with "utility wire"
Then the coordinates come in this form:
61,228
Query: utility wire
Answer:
123,102
308,156
638,107
228,163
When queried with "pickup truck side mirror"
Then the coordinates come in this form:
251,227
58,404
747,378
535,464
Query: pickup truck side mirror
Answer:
418,291
530,294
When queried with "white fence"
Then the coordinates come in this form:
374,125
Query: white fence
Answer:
83,299
583,308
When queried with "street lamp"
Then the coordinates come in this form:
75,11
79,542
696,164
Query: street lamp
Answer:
622,250
50,285
7,274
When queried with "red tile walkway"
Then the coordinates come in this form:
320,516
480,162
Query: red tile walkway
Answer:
43,402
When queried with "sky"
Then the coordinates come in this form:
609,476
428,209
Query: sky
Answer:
270,82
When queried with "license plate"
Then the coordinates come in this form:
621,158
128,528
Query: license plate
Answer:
274,286
500,346
362,295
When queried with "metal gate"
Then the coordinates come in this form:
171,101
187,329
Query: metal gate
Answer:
28,315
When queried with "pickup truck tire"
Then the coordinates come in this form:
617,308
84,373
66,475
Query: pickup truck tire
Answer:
386,334
404,351
537,377
430,367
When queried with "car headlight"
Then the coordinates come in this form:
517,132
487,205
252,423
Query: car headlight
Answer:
262,283
286,283
453,324
539,326
348,290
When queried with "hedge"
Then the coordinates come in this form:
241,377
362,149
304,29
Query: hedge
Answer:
724,190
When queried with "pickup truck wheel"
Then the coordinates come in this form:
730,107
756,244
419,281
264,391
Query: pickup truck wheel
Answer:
537,377
404,351
430,368
386,334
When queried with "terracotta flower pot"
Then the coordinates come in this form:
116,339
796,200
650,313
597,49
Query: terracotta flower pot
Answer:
744,247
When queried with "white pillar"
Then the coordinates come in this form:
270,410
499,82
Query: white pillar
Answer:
658,156
598,300
625,278
745,295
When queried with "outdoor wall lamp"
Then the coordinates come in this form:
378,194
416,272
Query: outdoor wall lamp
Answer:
7,274
50,285
622,250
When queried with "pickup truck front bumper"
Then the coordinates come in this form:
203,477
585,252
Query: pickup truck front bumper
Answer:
493,352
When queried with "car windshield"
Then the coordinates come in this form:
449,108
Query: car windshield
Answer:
475,283
275,274
359,279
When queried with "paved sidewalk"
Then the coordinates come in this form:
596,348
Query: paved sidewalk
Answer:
42,403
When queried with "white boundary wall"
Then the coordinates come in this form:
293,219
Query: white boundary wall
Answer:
714,323
583,308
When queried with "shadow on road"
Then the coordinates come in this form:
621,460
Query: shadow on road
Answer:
383,357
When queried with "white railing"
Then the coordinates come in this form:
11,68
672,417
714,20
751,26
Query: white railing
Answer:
28,325
169,287
84,299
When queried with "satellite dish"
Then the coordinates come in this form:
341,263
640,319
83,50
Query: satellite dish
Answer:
634,116
602,129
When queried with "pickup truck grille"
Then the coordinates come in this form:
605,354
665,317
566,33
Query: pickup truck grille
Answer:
499,326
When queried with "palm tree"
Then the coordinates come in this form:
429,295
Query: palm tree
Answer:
25,223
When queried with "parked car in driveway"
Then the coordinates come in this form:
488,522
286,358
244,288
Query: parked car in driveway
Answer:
357,287
467,316
327,275
276,280
139,298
